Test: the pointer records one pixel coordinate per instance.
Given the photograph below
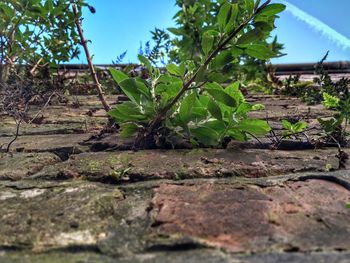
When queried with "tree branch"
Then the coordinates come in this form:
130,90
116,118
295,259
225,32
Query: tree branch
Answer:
88,57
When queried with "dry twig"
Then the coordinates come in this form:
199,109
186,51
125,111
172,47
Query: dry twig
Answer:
89,60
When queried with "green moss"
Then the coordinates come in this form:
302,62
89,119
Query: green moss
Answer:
95,166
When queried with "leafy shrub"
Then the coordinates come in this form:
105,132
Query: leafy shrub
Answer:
336,126
187,103
36,32
161,50
313,92
194,21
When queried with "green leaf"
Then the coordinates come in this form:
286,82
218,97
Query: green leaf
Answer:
264,26
117,75
256,127
200,108
300,126
234,91
126,112
286,125
236,52
243,109
237,134
176,70
249,4
170,89
330,101
214,109
35,9
250,37
203,100
207,43
218,77
272,10
48,5
223,16
293,128
182,69
222,59
201,74
330,125
205,135
220,95
214,85
260,51
6,10
257,107
175,31
257,4
128,129
134,89
216,125
232,22
186,107
146,62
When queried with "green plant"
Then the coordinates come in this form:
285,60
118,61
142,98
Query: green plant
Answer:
158,54
36,33
327,85
293,128
187,103
336,126
306,90
194,21
312,92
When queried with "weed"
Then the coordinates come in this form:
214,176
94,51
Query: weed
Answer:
187,102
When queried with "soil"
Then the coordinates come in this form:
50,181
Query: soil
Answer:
65,198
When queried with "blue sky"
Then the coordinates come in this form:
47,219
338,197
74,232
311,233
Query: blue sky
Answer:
308,28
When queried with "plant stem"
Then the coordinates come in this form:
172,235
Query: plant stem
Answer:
42,109
88,57
16,136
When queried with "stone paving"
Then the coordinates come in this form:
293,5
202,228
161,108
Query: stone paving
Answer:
63,199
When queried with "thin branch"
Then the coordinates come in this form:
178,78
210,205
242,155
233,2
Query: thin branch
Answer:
16,136
336,142
42,109
256,138
35,66
89,60
280,140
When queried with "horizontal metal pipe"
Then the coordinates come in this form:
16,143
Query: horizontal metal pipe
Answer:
309,68
281,69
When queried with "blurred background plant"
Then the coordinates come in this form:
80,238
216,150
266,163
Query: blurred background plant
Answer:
35,37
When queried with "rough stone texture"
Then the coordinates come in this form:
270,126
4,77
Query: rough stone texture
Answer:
295,216
45,217
280,219
329,257
21,165
241,205
197,256
282,107
9,129
47,143
180,164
